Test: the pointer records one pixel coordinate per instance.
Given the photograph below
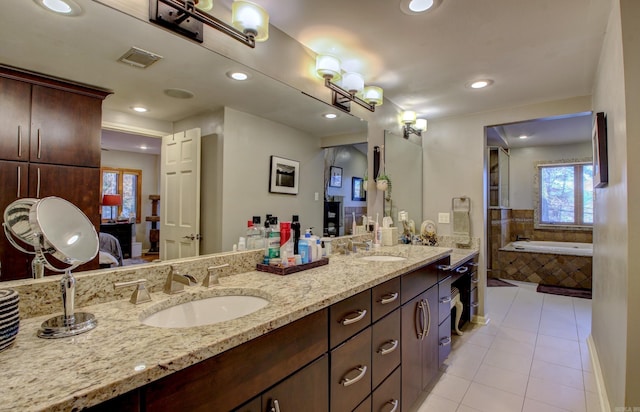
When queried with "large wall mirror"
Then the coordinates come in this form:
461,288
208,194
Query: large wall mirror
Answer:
243,123
403,165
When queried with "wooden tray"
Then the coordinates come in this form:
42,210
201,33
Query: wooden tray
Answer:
291,269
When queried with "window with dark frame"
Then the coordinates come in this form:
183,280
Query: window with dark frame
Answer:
566,194
127,182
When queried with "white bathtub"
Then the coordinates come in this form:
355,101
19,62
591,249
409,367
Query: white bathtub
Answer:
556,248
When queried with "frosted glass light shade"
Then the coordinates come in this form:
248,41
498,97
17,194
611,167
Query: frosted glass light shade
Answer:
421,124
373,95
205,5
408,117
250,18
353,82
328,66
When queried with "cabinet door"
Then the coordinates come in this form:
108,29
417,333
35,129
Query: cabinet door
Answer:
78,185
306,390
411,342
430,343
14,183
65,127
15,107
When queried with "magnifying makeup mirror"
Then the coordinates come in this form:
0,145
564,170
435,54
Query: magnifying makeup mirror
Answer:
61,237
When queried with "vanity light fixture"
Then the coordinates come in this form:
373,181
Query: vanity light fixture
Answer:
249,22
412,125
352,90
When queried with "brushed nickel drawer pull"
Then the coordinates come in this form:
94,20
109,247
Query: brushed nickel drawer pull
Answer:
39,144
475,304
426,304
360,315
38,186
19,141
474,280
275,406
422,317
19,181
446,341
388,298
393,403
385,351
446,300
462,269
362,371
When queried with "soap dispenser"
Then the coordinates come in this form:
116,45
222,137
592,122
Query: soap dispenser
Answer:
295,228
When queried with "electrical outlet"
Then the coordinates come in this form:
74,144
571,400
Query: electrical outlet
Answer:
443,217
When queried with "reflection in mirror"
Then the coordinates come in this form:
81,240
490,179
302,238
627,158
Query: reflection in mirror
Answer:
403,165
341,204
220,107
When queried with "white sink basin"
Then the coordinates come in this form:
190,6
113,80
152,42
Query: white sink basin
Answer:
205,311
382,258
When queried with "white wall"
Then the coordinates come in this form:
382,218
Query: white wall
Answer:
616,262
454,163
248,144
150,166
522,168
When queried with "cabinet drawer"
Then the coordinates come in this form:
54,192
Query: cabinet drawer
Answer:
351,372
387,397
416,282
365,406
385,298
473,303
306,390
444,343
385,347
348,317
444,300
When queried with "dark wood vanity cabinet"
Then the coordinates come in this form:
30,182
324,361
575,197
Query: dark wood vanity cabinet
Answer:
50,138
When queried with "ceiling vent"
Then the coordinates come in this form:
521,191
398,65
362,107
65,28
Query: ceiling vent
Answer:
139,58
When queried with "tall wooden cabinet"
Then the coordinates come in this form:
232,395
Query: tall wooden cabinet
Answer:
49,146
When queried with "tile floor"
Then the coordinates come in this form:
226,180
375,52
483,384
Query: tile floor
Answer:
532,357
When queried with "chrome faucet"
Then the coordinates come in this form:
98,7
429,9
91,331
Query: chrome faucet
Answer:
343,248
176,281
353,246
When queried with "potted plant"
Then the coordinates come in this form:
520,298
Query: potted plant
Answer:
383,182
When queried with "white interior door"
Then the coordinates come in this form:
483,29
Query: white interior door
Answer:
180,195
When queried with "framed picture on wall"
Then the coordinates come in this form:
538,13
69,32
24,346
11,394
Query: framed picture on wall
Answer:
600,158
284,176
335,176
358,193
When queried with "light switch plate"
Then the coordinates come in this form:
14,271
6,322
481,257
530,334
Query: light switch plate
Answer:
443,217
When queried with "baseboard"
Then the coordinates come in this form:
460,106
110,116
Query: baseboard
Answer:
480,320
597,371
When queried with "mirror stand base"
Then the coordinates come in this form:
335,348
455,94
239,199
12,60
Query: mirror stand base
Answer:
60,327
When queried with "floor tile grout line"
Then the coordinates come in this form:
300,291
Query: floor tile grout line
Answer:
535,347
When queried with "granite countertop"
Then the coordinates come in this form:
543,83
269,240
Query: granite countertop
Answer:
122,354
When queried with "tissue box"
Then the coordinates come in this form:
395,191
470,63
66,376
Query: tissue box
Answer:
389,236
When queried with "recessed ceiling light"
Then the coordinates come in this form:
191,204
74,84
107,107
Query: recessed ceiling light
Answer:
63,7
179,93
524,136
140,109
330,115
418,6
240,76
480,84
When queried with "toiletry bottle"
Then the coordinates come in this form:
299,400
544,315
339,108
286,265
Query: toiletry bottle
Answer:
295,228
353,224
274,238
303,250
319,249
311,247
254,237
326,241
267,232
286,242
